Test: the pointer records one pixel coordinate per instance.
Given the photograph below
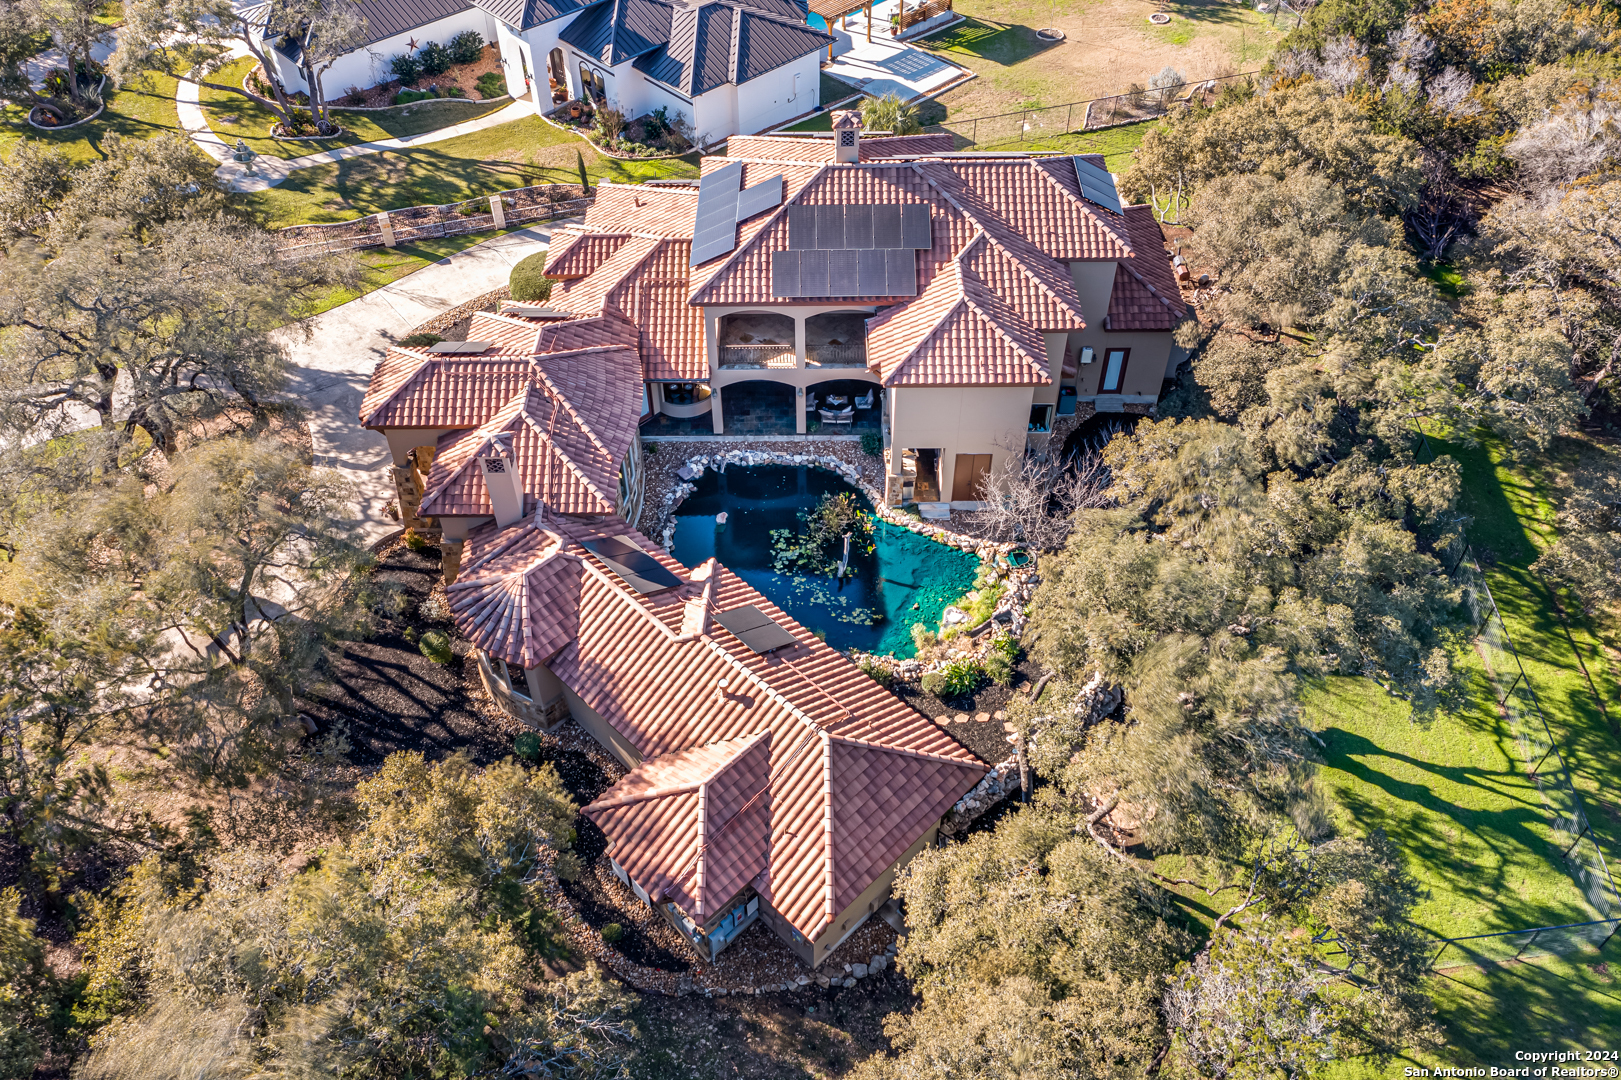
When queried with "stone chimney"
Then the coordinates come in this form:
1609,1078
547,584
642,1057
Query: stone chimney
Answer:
500,473
847,135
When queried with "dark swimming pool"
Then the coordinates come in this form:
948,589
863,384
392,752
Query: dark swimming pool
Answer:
907,578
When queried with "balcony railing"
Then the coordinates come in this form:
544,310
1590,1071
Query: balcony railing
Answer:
757,356
836,356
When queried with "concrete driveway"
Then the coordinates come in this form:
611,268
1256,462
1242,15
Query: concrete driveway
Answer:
331,357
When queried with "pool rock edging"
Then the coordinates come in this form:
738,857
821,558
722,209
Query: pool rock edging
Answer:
1021,581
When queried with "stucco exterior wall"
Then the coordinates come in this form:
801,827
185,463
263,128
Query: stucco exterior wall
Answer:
402,441
1145,365
871,899
600,729
778,96
960,420
369,66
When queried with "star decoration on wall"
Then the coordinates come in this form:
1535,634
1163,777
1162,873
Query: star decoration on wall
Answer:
411,44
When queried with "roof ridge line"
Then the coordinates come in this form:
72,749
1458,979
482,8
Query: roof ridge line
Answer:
998,323
574,414
547,440
1122,236
1147,285
428,497
770,691
416,373
652,793
1024,267
923,754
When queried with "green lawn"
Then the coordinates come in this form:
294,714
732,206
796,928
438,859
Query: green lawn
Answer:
233,117
1116,144
524,152
139,111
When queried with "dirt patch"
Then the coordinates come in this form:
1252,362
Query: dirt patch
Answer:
1107,47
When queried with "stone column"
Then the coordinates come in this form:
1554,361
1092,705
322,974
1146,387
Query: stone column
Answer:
714,410
799,409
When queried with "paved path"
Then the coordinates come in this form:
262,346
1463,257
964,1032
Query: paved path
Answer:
884,65
271,170
331,357
40,66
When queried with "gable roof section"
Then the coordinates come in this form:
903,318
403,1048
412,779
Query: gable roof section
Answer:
730,42
525,14
693,824
1027,198
1145,294
642,210
411,388
800,148
620,30
574,253
651,672
957,333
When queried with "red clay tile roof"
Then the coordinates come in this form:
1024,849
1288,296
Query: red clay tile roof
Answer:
572,425
520,599
643,210
694,825
574,253
413,389
798,148
650,669
645,283
1145,295
958,333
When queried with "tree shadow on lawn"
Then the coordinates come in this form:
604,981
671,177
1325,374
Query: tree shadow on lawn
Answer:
1006,44
1549,1002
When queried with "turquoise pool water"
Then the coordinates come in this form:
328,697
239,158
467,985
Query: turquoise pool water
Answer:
907,579
815,21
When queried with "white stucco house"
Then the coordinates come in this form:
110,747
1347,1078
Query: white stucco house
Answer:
729,66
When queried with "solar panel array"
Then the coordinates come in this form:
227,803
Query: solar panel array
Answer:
1097,185
755,629
852,249
535,311
722,203
461,348
634,566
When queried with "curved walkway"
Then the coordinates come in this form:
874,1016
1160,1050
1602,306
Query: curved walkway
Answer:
331,357
271,170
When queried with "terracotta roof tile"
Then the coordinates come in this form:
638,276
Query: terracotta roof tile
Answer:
519,600
795,148
630,662
693,824
643,210
574,253
412,389
1145,295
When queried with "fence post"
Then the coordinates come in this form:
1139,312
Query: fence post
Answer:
1585,826
387,228
1069,115
498,212
1444,945
1528,942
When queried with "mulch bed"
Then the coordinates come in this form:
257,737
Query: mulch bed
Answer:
987,739
464,76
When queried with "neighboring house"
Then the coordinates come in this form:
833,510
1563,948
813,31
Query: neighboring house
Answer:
727,66
961,300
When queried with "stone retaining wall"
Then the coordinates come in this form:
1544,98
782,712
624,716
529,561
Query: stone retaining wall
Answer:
490,301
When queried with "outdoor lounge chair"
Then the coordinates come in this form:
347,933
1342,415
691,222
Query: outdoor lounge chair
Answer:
845,415
810,402
865,400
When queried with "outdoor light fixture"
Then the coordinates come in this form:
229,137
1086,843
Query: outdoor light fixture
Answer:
1086,354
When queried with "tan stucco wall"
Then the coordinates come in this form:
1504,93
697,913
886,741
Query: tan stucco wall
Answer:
600,729
960,420
402,441
870,900
1145,367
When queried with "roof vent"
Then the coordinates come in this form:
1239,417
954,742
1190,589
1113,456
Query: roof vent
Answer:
461,348
634,566
755,629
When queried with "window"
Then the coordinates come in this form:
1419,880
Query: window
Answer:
591,83
1114,370
683,393
1041,418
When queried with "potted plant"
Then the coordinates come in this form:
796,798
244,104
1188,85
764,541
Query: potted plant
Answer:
574,110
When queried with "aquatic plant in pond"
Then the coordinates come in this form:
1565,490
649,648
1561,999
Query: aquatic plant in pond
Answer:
897,579
816,546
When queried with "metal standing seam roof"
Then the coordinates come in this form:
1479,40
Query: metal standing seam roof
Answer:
619,30
730,41
650,669
385,18
524,14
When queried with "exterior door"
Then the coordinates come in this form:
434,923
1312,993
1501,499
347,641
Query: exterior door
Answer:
965,478
1114,370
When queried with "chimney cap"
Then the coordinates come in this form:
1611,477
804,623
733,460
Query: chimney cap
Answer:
845,119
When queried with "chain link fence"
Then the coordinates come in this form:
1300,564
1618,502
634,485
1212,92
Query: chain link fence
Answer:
1138,103
519,206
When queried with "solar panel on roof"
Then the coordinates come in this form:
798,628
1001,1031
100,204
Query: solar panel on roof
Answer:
634,566
715,226
759,198
813,273
801,228
858,225
872,277
755,629
534,311
785,273
842,270
1097,185
460,348
900,271
830,226
886,225
915,232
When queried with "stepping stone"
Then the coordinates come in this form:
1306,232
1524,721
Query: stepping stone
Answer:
1000,714
982,718
962,718
942,720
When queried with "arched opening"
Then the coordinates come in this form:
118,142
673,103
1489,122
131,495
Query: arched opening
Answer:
557,72
845,406
836,339
758,408
756,339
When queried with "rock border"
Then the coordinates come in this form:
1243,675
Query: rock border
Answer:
1021,581
76,123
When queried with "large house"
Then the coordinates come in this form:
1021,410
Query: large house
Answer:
954,302
726,66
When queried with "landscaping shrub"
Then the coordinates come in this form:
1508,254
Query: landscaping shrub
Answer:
529,282
1005,644
420,341
872,443
889,113
435,645
466,47
451,90
612,932
407,67
999,669
406,97
491,85
414,540
876,671
527,746
958,678
610,123
650,448
435,58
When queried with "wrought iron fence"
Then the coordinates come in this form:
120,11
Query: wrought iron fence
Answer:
757,356
1571,939
1076,116
519,206
836,356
